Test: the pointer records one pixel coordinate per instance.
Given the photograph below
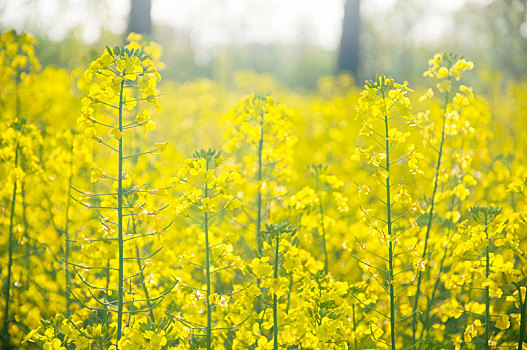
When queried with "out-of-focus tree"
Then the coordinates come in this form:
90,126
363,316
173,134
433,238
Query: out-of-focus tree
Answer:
140,20
389,45
348,58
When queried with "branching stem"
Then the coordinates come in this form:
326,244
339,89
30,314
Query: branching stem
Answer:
120,295
389,224
259,194
5,334
207,268
275,301
429,224
487,294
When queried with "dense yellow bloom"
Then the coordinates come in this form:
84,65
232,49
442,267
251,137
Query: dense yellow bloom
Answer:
364,206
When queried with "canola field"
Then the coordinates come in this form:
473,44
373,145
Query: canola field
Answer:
137,213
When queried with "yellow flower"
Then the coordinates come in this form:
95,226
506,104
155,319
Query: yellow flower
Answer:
134,37
159,148
461,192
442,73
96,174
116,133
261,267
396,136
503,322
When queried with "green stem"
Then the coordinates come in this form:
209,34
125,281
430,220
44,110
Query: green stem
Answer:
107,292
389,223
5,334
487,296
207,268
523,315
392,297
324,248
429,224
321,212
120,296
259,194
354,327
27,253
275,299
5,331
426,320
147,296
66,233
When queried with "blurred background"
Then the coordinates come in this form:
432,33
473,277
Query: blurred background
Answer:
298,41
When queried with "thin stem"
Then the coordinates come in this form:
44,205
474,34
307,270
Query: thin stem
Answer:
259,194
389,224
104,268
523,315
354,327
321,212
392,298
135,155
26,228
66,233
429,223
426,322
5,334
207,269
147,296
369,307
487,294
120,295
275,301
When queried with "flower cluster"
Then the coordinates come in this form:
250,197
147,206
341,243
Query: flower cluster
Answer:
403,227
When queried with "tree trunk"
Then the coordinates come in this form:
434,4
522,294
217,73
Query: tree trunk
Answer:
348,60
139,20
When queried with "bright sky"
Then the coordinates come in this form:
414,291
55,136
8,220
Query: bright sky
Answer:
213,23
